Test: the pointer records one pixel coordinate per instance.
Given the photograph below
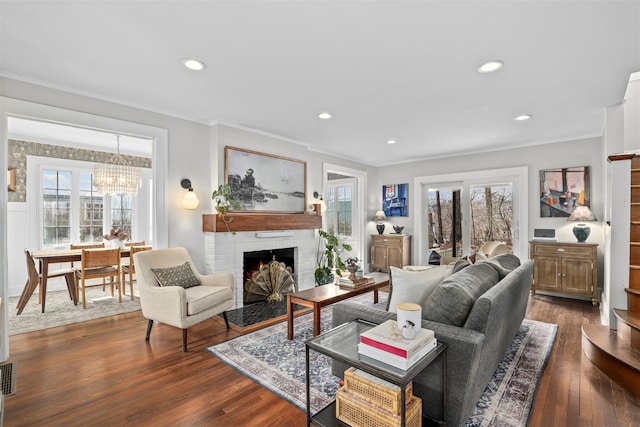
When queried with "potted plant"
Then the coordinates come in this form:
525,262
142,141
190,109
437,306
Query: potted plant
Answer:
225,200
352,266
328,261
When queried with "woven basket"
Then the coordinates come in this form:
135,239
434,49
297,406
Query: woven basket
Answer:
375,390
358,412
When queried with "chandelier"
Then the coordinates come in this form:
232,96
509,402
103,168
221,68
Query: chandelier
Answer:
117,177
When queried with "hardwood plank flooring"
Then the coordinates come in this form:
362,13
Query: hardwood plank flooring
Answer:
102,373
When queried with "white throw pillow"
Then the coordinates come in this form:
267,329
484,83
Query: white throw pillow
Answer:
413,286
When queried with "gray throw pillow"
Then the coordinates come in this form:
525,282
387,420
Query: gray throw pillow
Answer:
453,299
503,264
180,275
460,264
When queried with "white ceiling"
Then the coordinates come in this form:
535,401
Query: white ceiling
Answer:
402,70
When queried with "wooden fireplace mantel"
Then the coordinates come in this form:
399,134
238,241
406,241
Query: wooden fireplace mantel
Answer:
212,223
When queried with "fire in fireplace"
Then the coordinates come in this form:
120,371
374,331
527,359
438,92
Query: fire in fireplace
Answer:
268,275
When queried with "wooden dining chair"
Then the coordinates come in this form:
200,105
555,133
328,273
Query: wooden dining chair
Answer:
86,246
126,263
99,263
130,269
35,279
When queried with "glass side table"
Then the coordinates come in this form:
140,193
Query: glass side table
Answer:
341,343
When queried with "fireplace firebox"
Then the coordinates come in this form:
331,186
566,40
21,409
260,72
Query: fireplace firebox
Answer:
268,275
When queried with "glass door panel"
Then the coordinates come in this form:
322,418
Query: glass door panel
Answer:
491,214
444,218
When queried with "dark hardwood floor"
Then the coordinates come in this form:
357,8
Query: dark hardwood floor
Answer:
102,373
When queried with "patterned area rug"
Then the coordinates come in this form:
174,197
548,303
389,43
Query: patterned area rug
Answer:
59,310
267,357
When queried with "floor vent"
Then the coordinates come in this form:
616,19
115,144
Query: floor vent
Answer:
8,371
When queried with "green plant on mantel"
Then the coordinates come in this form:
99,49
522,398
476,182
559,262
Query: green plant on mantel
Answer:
224,201
328,259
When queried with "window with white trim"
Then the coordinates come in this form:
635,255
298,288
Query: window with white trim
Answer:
74,212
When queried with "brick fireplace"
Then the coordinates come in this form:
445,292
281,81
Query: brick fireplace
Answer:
224,252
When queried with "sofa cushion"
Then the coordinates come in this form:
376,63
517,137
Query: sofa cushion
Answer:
503,263
453,298
180,275
413,286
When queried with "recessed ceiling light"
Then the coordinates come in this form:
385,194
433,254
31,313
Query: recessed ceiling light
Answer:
522,117
194,64
490,67
391,141
324,116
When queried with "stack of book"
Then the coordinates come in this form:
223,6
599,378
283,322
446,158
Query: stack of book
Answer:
345,282
384,343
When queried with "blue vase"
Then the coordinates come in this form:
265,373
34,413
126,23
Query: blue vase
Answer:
323,280
581,231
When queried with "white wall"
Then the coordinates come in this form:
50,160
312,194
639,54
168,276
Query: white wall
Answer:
583,152
188,153
225,135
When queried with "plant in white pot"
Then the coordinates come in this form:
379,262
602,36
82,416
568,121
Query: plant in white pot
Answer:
224,201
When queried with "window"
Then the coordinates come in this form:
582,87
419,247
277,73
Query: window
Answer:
91,210
73,210
56,204
122,212
340,209
445,222
491,214
490,207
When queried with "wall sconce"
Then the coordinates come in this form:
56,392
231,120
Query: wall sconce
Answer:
319,205
190,200
11,179
380,216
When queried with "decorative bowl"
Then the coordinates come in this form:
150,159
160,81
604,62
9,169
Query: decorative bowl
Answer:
398,229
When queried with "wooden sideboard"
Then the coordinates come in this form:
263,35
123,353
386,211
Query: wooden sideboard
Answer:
390,250
567,268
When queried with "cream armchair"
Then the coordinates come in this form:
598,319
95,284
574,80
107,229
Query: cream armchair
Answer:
494,248
173,304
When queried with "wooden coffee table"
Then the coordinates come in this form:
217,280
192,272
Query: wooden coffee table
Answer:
321,296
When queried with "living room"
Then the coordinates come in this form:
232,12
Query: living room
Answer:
193,147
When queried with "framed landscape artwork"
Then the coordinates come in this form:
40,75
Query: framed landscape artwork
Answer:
564,189
395,199
264,182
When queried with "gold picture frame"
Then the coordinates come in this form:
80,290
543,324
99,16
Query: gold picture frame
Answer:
263,182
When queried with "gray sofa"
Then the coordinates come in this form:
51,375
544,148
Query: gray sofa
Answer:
476,345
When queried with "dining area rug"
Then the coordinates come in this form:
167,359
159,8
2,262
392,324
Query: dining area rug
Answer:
59,310
270,359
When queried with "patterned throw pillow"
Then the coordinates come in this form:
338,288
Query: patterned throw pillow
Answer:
181,275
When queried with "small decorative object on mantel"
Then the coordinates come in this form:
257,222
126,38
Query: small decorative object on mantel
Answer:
224,199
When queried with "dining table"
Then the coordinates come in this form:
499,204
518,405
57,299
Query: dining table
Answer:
53,257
